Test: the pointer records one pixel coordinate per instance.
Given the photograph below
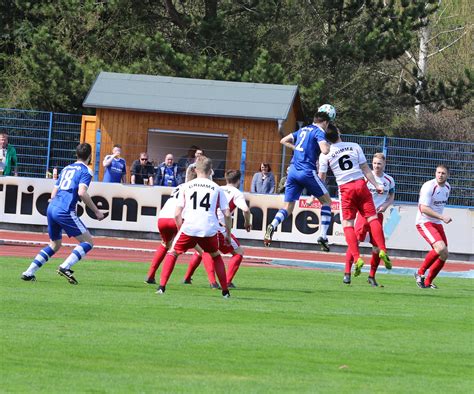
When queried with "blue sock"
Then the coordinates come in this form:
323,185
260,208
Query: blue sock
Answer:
281,215
325,220
77,254
41,258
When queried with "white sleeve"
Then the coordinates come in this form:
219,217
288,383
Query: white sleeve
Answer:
180,199
426,193
361,155
223,203
239,201
323,163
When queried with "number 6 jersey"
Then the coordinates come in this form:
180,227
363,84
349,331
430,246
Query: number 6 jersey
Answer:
200,199
345,159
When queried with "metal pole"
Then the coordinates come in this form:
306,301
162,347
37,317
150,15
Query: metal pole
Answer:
384,149
243,157
50,133
97,155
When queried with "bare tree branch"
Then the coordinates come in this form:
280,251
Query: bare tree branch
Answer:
449,45
446,32
411,58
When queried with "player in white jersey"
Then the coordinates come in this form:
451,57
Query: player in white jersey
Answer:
199,226
167,228
236,199
434,196
382,202
349,165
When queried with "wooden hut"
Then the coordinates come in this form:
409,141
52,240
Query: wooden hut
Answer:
162,115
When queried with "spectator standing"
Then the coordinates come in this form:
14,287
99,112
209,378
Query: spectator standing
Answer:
115,167
8,158
185,161
263,182
167,173
282,183
142,171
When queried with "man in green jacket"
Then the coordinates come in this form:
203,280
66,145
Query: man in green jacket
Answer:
8,159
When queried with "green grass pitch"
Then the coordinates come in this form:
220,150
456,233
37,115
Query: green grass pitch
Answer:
283,330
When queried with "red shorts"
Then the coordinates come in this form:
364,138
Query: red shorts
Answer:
356,197
432,232
224,247
362,227
184,242
167,228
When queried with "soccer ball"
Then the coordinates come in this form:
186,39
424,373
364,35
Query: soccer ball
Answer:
328,109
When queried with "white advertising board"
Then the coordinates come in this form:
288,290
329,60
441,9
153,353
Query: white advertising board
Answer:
135,208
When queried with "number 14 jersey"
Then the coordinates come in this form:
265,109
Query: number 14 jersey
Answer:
200,199
345,159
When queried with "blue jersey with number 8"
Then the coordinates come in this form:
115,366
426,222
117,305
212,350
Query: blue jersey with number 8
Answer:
307,150
68,186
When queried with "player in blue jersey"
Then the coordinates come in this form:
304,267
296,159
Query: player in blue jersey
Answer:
71,184
307,143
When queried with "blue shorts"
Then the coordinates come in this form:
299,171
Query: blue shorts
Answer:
299,180
59,220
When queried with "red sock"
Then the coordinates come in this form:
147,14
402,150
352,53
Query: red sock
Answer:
193,264
349,261
168,267
352,244
430,258
234,265
376,231
157,259
220,271
434,271
209,266
374,264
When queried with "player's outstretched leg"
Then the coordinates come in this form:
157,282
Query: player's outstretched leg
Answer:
433,273
374,264
280,216
158,257
348,267
41,258
77,254
168,267
325,223
234,265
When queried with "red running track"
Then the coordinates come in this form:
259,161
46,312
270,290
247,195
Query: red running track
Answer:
26,244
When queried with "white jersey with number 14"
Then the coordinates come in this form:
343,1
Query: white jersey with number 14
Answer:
200,199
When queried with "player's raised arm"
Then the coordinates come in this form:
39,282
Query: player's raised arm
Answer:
288,141
323,166
324,146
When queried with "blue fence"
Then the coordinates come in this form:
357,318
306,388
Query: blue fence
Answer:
45,140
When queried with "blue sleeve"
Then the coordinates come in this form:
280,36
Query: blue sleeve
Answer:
295,136
86,177
320,136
